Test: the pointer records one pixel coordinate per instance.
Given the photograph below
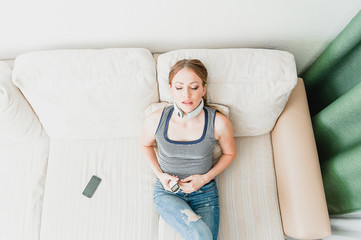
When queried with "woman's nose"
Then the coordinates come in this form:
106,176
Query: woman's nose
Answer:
187,93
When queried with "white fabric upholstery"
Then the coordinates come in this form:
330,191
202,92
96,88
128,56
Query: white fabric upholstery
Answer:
88,93
23,161
22,182
122,206
18,123
247,195
254,83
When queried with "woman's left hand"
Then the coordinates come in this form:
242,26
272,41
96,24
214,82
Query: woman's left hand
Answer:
192,183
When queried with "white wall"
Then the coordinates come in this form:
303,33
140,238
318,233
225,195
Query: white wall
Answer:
302,27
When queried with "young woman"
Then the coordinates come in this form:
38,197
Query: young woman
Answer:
186,134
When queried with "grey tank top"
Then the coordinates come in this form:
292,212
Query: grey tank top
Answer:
185,158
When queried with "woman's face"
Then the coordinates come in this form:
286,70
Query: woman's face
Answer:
187,89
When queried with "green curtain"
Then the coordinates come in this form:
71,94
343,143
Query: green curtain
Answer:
333,85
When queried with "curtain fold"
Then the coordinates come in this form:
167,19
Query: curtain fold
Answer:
342,180
333,85
338,126
337,69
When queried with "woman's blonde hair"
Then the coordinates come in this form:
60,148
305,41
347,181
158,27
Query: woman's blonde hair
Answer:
196,66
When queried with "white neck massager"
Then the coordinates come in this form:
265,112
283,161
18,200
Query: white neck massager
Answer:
189,115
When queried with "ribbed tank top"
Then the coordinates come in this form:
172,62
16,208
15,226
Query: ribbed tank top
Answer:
185,158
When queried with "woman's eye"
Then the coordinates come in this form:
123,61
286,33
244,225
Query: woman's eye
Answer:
193,88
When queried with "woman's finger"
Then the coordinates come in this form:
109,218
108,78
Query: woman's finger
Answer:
187,179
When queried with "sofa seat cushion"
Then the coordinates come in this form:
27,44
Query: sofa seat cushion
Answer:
82,94
22,184
254,83
247,195
121,207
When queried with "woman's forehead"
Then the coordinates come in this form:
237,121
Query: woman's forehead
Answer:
186,76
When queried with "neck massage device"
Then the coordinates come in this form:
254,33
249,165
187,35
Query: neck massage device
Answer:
191,114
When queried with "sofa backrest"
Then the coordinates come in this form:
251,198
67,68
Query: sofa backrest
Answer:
88,94
18,123
94,94
254,83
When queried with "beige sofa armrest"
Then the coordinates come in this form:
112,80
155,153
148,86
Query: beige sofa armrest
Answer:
300,188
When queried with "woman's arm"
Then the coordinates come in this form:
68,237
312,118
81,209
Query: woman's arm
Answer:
223,132
224,135
146,144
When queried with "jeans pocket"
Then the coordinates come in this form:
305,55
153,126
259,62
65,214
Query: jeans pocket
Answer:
211,186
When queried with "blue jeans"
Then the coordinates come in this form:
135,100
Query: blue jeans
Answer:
194,215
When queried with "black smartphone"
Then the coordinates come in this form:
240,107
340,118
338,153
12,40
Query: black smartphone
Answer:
92,186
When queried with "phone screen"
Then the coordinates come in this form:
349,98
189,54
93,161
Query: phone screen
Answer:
92,186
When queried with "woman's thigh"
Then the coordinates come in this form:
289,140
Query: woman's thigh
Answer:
179,215
205,203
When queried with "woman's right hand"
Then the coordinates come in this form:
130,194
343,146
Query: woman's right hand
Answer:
165,178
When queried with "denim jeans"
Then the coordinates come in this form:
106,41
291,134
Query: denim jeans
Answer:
194,215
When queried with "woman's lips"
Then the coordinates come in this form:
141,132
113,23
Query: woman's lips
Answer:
187,103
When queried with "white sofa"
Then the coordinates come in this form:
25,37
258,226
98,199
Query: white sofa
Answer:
66,115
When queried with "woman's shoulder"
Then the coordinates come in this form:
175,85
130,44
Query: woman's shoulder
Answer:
221,124
221,120
220,117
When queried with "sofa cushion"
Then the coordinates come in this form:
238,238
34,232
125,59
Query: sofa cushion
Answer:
254,83
18,122
23,160
22,183
121,207
88,93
